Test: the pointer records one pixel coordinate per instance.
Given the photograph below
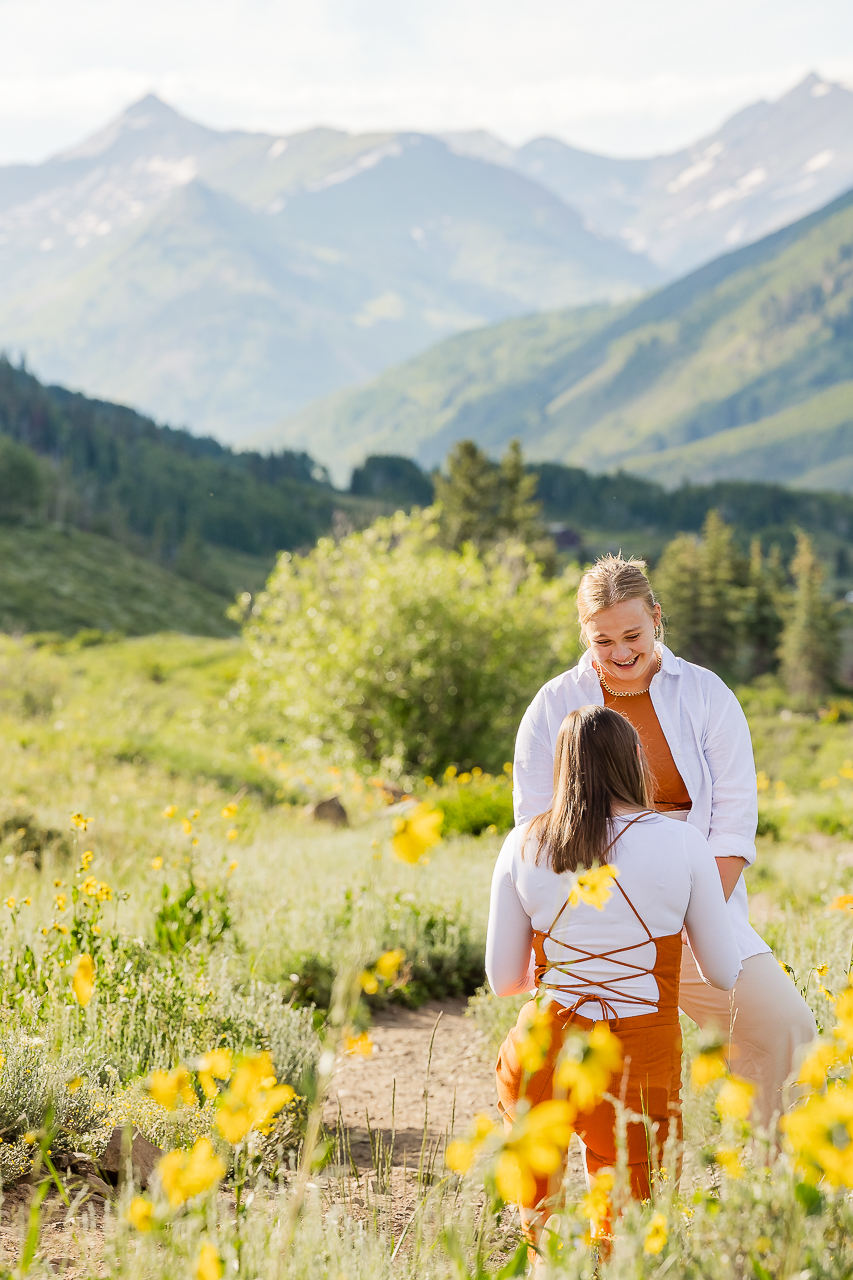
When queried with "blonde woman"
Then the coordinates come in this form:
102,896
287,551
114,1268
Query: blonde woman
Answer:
699,749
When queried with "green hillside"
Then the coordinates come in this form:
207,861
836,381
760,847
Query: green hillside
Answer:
741,369
69,581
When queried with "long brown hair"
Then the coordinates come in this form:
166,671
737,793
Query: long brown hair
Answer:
599,761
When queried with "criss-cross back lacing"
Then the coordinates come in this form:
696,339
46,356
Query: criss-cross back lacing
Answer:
576,984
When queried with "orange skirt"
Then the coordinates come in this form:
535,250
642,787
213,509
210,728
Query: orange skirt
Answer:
650,1085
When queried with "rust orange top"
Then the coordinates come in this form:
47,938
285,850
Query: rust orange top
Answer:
670,791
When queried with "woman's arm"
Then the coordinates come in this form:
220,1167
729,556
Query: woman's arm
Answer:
509,960
533,765
709,927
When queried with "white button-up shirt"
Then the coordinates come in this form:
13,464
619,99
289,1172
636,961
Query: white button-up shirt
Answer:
708,735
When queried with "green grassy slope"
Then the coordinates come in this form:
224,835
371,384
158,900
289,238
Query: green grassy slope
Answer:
66,580
752,343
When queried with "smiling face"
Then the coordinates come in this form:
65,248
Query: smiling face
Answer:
622,641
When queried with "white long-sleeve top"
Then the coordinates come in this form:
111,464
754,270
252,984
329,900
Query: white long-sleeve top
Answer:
668,871
707,733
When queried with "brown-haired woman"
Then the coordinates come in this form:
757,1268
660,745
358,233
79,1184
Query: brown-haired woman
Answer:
698,745
619,964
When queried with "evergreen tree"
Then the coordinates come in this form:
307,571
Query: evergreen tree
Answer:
518,512
809,648
470,496
677,582
761,621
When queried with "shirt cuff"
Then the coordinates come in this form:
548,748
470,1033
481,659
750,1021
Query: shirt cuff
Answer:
725,846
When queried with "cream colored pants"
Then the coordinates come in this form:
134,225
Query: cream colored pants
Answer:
765,1019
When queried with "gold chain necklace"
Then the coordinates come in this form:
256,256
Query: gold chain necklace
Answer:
633,693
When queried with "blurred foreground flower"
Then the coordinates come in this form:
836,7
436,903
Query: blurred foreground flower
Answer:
83,981
728,1158
169,811
844,902
214,1066
706,1067
734,1101
537,1144
389,963
417,832
78,821
532,1048
462,1152
185,1174
586,1064
817,1063
209,1265
359,1046
595,1206
253,1099
166,1087
594,887
656,1236
819,1133
140,1213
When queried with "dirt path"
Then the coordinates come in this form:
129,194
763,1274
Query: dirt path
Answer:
390,1086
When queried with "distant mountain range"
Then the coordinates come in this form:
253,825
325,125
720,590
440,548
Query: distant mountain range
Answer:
765,167
743,369
224,280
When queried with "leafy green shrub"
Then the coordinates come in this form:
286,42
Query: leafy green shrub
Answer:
474,802
193,915
386,646
768,825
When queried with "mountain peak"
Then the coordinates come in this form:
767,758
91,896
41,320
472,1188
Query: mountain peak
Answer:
147,125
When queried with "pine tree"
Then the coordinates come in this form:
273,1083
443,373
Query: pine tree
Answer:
518,514
809,648
470,496
761,621
677,582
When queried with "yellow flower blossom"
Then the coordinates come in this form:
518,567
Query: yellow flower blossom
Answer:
417,832
78,821
166,1087
819,1133
253,1099
843,1031
595,1206
728,1158
368,982
60,900
140,1213
656,1235
734,1101
461,1153
389,963
594,887
359,1046
814,1067
74,1084
10,903
89,886
214,1066
187,826
86,858
185,1174
27,902
156,864
537,1145
533,1045
209,1265
29,1138
169,811
233,834
844,902
706,1067
83,981
586,1065
232,867
230,811
195,814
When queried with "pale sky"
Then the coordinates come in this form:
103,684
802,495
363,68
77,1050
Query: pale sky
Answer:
628,77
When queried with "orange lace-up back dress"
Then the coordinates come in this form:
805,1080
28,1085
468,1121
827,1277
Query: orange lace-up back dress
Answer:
651,1048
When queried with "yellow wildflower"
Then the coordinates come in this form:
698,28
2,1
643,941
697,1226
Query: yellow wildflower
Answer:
844,902
534,1044
60,901
166,1087
29,1138
656,1236
460,1153
103,892
417,832
537,1144
595,1206
368,982
233,833
230,811
359,1046
734,1101
27,902
195,814
232,867
74,1084
89,886
214,1066
86,858
185,1174
156,864
83,981
821,1059
10,903
389,963
80,822
728,1158
819,1132
209,1265
586,1064
844,1012
706,1067
594,887
253,1099
140,1213
169,811
187,826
